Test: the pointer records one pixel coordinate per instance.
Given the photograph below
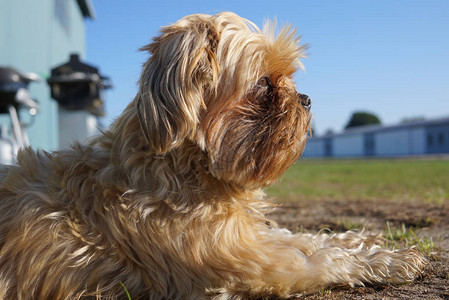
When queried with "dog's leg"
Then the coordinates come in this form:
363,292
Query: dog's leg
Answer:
286,268
309,243
346,240
331,266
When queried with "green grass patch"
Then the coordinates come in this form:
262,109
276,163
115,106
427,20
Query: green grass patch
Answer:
407,237
325,292
349,224
386,179
126,290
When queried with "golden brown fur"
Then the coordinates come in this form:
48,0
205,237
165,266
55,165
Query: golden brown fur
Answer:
168,201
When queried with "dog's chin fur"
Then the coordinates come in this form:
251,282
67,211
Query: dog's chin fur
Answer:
168,200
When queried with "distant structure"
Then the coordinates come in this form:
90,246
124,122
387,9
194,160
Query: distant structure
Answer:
36,36
405,139
78,88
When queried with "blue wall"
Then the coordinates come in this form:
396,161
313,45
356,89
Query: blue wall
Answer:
36,35
419,138
437,138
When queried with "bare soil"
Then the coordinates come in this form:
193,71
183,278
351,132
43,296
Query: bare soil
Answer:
427,220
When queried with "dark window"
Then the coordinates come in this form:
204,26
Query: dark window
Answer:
429,139
441,139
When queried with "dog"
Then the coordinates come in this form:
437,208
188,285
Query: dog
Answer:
167,203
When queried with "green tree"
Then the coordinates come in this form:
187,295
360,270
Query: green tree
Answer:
361,119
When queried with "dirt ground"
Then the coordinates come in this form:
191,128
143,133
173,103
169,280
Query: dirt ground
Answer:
426,220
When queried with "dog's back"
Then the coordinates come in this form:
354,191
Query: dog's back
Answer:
48,250
30,232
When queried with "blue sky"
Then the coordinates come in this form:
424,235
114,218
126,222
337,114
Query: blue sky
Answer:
387,57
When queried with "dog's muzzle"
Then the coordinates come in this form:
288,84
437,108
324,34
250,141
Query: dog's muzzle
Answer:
305,101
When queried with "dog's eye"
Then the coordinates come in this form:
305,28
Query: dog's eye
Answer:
265,82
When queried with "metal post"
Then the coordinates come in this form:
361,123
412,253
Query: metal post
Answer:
16,127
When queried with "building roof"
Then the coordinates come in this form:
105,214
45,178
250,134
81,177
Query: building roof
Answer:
87,8
381,128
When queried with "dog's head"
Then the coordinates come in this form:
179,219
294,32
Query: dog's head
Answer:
222,84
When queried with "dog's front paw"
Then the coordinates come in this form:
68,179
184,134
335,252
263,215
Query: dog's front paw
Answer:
376,265
405,265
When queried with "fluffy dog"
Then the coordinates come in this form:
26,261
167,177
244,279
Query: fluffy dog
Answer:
168,201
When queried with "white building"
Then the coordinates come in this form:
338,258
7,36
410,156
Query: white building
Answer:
413,138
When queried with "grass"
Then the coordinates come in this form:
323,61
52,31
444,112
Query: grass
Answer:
374,179
126,290
349,224
408,238
377,179
325,292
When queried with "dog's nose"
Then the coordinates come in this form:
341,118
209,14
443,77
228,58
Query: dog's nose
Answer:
305,101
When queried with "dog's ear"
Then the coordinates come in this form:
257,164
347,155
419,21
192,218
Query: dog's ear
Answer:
181,68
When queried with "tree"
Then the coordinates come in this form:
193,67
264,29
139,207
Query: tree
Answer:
361,119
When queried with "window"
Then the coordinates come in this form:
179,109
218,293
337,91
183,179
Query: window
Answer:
441,139
429,139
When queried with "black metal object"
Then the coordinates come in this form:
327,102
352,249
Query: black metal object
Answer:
78,86
13,96
14,89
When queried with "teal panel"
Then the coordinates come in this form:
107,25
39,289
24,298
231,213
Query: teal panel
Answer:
34,37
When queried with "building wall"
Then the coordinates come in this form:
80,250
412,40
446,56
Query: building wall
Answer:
404,141
314,148
417,141
36,35
397,141
348,146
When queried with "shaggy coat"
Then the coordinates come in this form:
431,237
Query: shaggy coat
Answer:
167,202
